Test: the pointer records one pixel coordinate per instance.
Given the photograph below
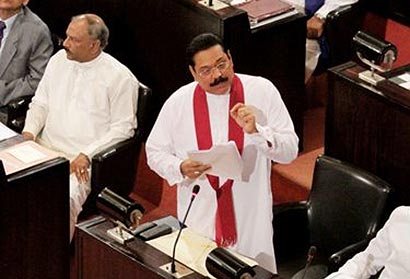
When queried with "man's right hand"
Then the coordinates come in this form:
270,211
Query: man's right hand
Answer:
193,169
27,135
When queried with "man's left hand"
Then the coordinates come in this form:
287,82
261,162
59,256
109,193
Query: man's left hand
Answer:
245,117
79,166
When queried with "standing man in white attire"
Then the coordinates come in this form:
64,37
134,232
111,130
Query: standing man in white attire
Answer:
317,10
85,102
221,106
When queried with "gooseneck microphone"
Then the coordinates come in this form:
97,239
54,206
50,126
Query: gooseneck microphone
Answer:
195,191
311,254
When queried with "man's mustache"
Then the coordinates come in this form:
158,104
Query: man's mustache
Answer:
218,81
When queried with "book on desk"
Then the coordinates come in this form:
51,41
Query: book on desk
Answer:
261,10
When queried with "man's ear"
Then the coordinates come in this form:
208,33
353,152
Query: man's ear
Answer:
25,2
228,53
193,73
96,46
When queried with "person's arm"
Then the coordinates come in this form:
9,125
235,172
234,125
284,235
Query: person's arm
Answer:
372,259
38,108
123,121
161,155
316,24
275,136
42,49
331,5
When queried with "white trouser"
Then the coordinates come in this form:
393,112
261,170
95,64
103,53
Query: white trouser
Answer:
78,194
312,57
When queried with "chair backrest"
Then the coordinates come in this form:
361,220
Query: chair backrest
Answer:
345,205
143,111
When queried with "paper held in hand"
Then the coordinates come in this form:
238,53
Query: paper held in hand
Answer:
224,159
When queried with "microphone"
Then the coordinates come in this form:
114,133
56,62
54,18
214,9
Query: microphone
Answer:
195,191
310,255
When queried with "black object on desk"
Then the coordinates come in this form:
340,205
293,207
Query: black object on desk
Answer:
224,265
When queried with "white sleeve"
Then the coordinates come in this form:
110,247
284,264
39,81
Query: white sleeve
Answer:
38,108
161,154
123,120
276,137
372,259
331,5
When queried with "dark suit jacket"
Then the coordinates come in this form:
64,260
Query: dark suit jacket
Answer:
24,58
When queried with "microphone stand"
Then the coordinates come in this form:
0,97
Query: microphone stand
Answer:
311,254
182,225
172,267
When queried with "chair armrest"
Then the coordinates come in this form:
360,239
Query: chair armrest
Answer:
339,258
339,12
282,208
291,233
16,112
114,150
115,167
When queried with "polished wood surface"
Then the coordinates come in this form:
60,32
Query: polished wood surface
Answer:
34,221
98,256
370,127
150,37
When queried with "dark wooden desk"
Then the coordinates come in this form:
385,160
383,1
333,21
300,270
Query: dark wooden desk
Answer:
370,127
150,37
98,256
34,221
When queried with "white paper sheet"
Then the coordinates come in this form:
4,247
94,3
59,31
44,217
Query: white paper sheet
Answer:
27,154
6,132
224,159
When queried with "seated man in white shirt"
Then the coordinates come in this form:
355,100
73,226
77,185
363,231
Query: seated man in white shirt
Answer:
85,102
389,251
317,10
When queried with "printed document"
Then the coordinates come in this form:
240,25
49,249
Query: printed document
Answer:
224,158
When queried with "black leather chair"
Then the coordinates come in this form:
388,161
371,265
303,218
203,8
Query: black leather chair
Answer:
13,114
343,212
116,167
340,27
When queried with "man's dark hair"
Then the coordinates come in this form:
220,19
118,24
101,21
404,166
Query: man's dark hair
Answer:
202,42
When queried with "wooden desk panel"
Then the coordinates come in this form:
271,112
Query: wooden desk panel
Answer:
370,127
98,256
34,222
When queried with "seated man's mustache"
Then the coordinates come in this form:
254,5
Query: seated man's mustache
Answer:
218,81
